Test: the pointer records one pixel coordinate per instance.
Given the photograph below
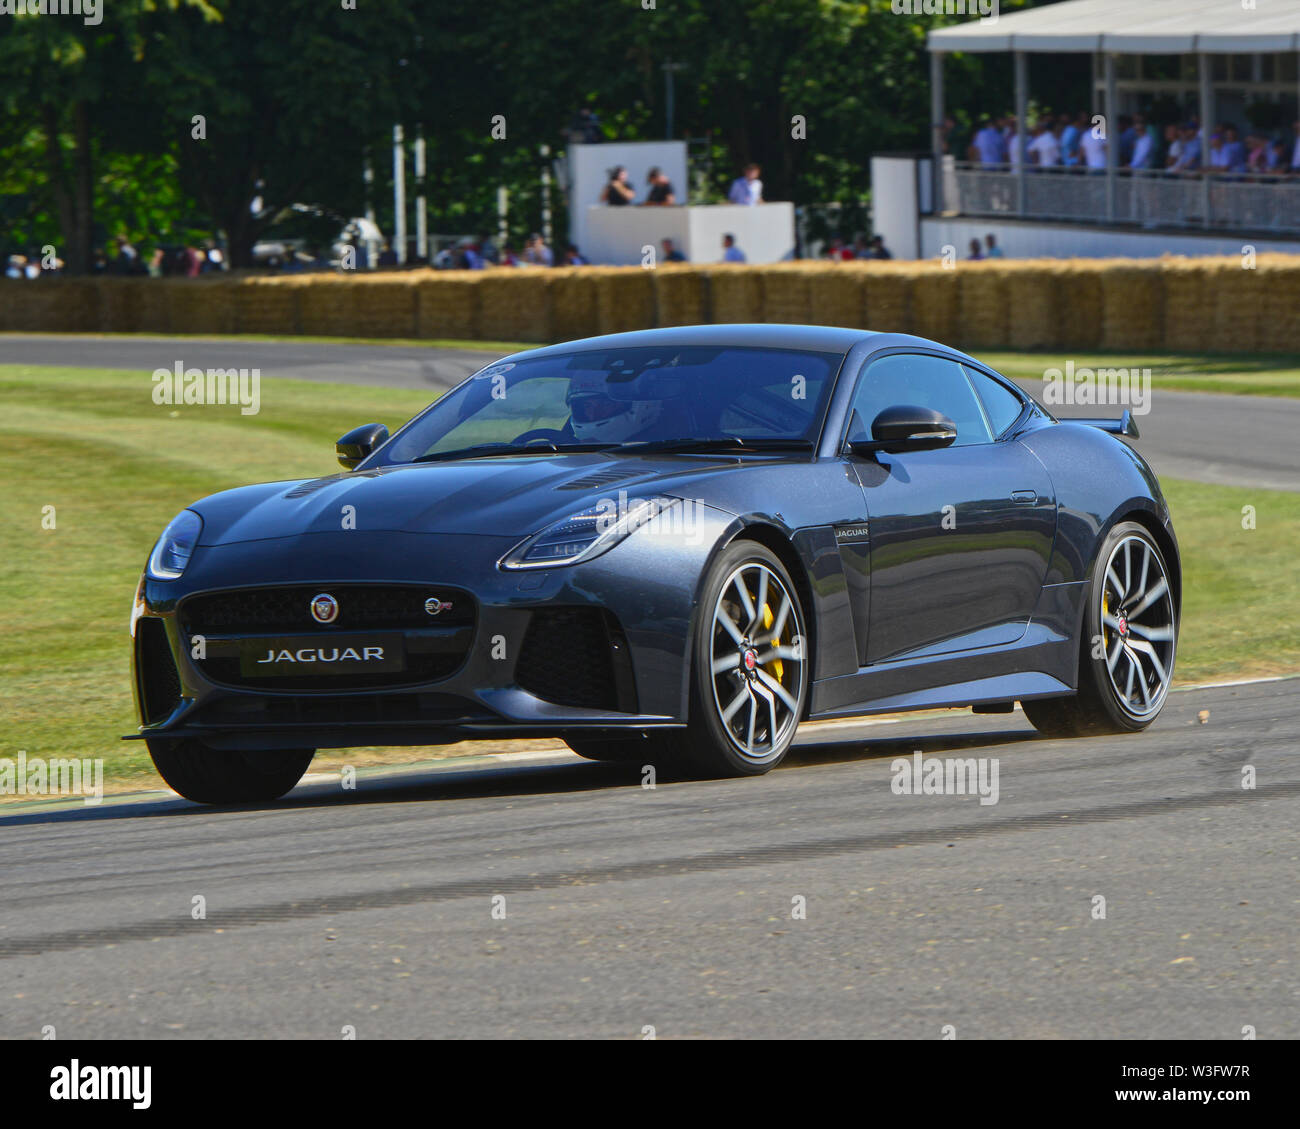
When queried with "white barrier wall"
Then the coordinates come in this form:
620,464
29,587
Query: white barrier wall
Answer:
1028,239
617,236
896,203
589,167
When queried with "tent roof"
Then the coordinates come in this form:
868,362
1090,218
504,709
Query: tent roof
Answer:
1132,27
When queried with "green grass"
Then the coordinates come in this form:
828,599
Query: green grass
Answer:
116,467
1255,375
421,342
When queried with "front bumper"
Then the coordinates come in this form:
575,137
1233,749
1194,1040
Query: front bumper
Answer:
644,588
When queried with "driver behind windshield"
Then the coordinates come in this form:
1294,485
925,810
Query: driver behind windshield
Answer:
597,417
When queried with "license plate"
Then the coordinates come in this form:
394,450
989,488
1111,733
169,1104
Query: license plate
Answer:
323,655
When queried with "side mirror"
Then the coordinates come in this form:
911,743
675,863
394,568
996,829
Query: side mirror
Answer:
360,443
906,427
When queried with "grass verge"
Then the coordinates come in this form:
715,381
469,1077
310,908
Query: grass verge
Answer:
1234,373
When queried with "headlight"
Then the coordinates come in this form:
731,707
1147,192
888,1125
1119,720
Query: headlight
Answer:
586,534
172,553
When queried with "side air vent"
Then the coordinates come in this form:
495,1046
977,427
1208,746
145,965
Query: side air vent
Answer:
577,657
160,686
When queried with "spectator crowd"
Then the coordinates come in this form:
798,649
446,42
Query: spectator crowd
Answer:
1074,142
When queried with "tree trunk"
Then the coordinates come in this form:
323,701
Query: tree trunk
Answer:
83,205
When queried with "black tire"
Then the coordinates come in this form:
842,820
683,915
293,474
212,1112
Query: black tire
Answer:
220,776
705,747
1099,707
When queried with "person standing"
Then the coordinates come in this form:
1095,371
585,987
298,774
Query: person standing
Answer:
747,189
730,252
661,192
617,191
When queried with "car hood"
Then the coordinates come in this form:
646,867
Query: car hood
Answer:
513,496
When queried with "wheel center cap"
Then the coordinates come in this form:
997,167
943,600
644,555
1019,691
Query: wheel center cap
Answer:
750,659
1123,623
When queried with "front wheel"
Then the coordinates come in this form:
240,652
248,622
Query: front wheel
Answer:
749,669
1126,660
219,776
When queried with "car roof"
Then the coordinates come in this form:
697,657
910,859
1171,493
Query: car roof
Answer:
818,338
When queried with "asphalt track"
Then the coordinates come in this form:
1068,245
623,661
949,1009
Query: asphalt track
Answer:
1229,440
628,908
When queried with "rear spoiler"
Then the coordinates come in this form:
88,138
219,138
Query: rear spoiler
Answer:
1125,425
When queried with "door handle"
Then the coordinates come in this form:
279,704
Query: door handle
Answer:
1024,497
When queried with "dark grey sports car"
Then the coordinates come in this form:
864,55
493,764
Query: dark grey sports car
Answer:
668,546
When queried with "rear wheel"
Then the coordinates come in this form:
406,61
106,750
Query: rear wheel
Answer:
219,776
1126,660
749,671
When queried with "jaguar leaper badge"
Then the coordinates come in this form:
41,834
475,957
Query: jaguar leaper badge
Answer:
324,608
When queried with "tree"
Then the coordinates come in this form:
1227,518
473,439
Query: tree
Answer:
67,75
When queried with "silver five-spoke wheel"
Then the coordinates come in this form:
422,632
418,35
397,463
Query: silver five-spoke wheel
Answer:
1137,627
758,665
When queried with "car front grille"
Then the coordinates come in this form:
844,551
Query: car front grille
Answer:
362,607
577,657
436,645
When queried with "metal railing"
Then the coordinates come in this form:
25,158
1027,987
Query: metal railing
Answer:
1144,198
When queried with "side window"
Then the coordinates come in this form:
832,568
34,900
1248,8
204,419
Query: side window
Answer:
1002,405
924,382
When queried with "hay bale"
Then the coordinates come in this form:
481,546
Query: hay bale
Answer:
1132,306
378,306
204,305
887,290
573,303
1278,294
1034,305
839,296
737,294
122,303
681,296
1079,308
155,311
786,293
267,305
322,302
983,306
447,304
49,305
934,303
515,305
1188,324
625,299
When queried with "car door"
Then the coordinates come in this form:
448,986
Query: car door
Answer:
958,538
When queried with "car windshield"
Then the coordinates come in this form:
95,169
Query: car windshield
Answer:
658,398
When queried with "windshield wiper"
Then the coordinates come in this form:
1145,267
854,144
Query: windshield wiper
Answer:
719,443
492,450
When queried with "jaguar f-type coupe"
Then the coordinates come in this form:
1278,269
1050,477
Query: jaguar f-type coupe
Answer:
668,546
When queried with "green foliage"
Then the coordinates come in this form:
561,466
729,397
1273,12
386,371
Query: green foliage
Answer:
97,124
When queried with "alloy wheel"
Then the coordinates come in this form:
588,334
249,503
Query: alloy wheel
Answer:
758,663
1137,626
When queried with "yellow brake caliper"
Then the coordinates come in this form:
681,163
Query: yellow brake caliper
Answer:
778,667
